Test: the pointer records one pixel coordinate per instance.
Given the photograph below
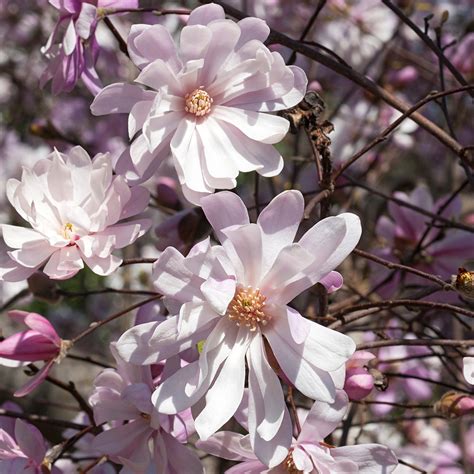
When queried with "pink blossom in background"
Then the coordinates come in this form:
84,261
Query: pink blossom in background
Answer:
75,207
442,253
207,102
309,453
235,295
122,398
39,343
72,55
359,382
24,451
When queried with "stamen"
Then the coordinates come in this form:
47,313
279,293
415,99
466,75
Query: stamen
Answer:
198,102
247,308
68,229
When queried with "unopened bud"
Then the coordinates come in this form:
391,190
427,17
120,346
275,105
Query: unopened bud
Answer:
454,404
464,282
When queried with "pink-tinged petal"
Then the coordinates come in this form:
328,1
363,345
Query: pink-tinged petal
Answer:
86,20
30,440
228,386
123,440
220,156
181,458
327,349
138,395
219,293
370,458
138,116
227,445
103,266
70,39
142,42
386,229
246,242
157,128
158,75
225,35
333,281
249,467
308,379
289,265
119,98
151,342
252,28
204,14
28,346
144,162
299,327
139,199
32,254
194,43
323,418
279,222
468,369
330,241
172,277
16,237
261,127
235,211
178,392
265,386
14,272
37,323
265,159
194,317
64,263
35,381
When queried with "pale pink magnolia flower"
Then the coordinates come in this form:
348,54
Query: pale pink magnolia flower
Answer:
207,101
74,206
235,297
39,343
359,382
72,54
468,369
309,454
138,437
24,451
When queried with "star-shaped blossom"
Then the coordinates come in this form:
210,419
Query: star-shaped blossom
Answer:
235,297
309,453
74,205
207,101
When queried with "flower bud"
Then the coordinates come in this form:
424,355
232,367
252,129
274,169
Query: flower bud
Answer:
454,404
359,383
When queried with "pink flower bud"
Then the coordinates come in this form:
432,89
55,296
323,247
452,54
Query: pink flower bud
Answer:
359,383
166,192
40,342
454,404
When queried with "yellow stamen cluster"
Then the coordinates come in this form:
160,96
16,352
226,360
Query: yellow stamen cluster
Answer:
198,102
247,308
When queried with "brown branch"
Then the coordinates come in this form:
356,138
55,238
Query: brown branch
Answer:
42,419
384,135
99,324
464,344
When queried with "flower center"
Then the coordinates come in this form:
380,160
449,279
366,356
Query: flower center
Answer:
247,308
289,464
68,230
198,102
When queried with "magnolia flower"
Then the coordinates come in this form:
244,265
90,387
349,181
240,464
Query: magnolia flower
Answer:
40,343
24,451
74,55
235,298
309,453
74,206
441,253
122,397
359,382
206,101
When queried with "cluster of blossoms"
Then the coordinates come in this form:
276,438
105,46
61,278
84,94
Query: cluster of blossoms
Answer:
223,358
